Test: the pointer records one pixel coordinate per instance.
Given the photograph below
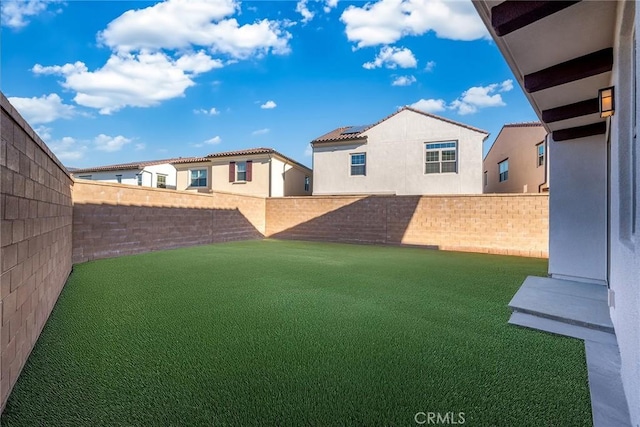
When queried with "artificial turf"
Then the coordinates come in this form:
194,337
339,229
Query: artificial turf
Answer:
297,333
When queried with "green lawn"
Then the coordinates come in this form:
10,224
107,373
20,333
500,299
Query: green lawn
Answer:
297,333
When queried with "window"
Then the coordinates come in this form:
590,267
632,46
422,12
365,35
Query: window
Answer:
307,184
119,179
162,181
139,176
199,178
84,176
503,170
540,148
241,171
441,157
358,164
486,178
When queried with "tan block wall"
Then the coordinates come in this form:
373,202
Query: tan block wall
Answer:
36,213
499,224
115,219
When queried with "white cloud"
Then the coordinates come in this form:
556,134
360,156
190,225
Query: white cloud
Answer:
478,97
15,12
213,141
43,132
210,112
302,9
268,105
260,132
392,57
330,4
180,24
403,81
308,152
430,105
44,109
387,21
140,147
430,66
137,80
110,144
68,149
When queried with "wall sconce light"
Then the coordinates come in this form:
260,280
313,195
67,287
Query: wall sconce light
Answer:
607,102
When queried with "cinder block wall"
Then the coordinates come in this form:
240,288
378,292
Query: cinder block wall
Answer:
508,224
36,218
116,219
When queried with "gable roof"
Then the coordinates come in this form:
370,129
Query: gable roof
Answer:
253,151
133,165
336,134
513,125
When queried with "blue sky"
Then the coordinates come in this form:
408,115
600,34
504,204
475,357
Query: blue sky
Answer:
107,82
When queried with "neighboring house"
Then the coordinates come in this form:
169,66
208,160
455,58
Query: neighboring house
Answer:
408,152
257,171
517,161
578,64
156,173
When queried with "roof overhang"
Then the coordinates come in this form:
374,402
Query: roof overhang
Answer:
561,53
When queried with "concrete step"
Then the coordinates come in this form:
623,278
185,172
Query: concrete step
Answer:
564,301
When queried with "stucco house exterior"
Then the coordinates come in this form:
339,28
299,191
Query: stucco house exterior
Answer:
257,171
577,64
156,173
517,162
409,152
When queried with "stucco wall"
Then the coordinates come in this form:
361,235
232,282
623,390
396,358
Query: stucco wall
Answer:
259,184
112,220
395,160
35,237
500,224
519,145
578,209
183,177
625,235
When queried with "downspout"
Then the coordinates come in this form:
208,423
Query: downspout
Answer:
270,182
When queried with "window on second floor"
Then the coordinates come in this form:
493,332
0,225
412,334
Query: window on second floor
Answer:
486,178
119,179
241,170
139,177
358,164
540,148
307,184
503,170
199,178
162,181
441,157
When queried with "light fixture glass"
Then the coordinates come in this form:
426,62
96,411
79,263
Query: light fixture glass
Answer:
607,102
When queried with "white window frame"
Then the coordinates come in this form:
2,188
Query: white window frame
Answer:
206,177
307,183
541,157
158,180
503,175
363,164
439,148
139,178
238,171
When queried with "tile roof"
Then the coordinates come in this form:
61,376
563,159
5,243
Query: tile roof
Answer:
523,124
133,165
252,151
336,134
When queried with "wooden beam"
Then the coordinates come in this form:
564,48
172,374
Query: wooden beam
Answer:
575,69
513,15
570,111
580,132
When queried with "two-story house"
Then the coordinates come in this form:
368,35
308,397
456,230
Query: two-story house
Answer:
409,152
518,160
